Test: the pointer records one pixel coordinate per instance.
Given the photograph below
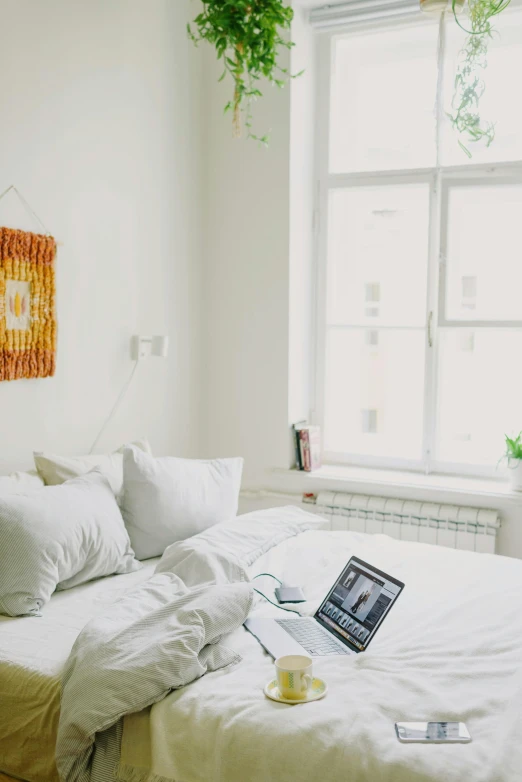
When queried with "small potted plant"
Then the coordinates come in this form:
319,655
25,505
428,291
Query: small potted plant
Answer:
513,455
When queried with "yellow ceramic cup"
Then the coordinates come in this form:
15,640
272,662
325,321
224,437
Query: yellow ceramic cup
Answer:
294,676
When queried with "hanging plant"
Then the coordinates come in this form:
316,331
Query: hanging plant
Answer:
469,84
247,37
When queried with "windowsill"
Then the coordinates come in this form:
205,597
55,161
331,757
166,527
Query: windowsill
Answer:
361,479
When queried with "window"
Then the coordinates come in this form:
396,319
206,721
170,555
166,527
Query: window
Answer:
420,302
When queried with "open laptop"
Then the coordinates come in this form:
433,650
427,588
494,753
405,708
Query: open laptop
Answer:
345,622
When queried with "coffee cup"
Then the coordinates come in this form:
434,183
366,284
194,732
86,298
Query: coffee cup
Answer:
294,676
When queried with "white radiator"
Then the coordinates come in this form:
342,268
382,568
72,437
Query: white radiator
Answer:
474,529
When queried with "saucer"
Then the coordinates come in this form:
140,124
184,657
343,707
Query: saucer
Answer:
318,690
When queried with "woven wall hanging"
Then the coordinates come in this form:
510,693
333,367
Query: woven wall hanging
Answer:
27,305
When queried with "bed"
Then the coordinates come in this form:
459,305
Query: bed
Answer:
33,651
450,649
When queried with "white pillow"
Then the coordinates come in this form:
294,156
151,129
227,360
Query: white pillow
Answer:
59,537
170,499
56,469
20,483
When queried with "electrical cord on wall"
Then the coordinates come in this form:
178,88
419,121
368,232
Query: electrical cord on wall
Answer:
119,400
290,610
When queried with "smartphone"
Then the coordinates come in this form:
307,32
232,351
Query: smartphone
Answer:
433,732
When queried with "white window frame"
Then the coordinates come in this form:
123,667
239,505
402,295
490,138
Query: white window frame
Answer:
436,321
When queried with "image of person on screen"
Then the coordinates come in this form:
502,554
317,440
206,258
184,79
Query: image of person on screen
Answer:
362,597
348,580
361,600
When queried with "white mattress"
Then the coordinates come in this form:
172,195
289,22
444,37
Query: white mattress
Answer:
33,651
450,649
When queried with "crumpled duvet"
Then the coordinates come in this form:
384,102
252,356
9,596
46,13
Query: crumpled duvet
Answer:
159,637
450,649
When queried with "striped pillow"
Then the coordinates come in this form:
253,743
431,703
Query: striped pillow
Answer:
57,538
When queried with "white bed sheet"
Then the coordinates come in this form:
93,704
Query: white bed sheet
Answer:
450,649
33,652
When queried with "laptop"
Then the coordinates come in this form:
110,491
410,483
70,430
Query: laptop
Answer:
345,622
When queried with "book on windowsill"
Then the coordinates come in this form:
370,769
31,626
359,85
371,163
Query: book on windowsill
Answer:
297,444
307,446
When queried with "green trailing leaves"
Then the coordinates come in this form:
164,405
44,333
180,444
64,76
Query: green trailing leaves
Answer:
248,37
469,84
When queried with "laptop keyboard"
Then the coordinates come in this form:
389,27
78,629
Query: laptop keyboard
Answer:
311,636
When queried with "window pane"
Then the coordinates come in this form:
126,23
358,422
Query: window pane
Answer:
484,270
500,102
374,392
382,99
480,378
378,255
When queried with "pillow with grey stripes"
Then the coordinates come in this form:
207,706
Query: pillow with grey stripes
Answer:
58,537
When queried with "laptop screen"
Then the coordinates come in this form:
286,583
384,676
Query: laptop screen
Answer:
358,602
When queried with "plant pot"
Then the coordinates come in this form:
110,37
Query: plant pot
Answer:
436,6
515,474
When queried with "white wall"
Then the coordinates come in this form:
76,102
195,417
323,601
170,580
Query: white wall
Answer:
100,129
258,256
111,130
246,281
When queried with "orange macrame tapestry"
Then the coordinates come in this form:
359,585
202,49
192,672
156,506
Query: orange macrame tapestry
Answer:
27,310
